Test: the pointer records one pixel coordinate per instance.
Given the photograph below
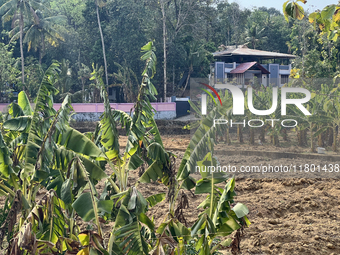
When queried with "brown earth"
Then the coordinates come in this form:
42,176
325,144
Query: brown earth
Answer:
291,213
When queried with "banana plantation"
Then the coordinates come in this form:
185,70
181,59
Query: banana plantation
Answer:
40,151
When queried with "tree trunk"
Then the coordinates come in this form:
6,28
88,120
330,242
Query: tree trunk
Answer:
320,140
21,48
262,136
299,137
40,56
164,45
239,133
42,49
173,79
276,141
103,45
228,136
284,134
83,90
251,134
304,137
330,136
335,147
312,147
187,81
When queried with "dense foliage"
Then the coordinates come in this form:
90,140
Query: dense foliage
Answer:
68,31
39,150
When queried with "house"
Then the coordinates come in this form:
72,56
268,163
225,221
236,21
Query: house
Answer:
242,66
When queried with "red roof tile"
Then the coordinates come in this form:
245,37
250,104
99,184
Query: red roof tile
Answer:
246,66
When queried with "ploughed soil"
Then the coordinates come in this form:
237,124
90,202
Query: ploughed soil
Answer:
290,212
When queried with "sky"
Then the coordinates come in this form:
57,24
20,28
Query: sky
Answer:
311,5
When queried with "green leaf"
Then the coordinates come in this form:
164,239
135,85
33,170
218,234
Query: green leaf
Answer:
202,142
211,96
246,220
135,162
24,103
179,230
133,200
84,207
74,140
154,172
313,16
15,110
66,194
5,158
157,152
231,222
155,199
145,219
20,123
226,242
198,224
240,210
131,239
203,186
105,206
189,183
161,228
285,10
94,170
226,230
328,11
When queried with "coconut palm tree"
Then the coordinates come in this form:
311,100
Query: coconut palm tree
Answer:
255,35
17,10
41,29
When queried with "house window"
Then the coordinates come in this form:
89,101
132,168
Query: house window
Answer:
110,91
284,79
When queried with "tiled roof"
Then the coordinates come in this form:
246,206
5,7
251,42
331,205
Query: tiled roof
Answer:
246,66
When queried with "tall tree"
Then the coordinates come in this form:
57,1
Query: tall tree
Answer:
17,10
254,35
39,29
98,2
163,2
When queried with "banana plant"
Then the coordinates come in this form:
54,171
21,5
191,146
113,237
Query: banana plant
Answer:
250,116
332,108
140,128
144,146
219,219
200,153
39,149
318,115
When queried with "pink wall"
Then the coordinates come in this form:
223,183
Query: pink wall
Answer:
160,107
